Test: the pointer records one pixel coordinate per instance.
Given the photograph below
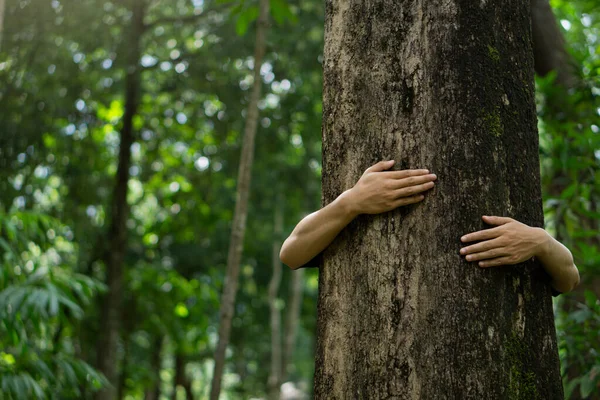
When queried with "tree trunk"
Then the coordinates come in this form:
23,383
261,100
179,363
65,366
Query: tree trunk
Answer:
181,379
153,392
292,322
2,9
238,228
549,47
445,86
117,233
275,375
122,387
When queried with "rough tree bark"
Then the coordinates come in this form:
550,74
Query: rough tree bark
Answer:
275,375
117,233
238,228
446,86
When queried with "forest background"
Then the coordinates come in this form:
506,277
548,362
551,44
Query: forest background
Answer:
77,74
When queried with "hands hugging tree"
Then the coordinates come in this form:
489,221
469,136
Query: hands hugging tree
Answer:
380,190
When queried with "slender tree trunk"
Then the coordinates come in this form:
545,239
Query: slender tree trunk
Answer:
2,10
123,373
153,392
238,228
187,386
275,375
549,46
446,86
181,379
117,233
292,322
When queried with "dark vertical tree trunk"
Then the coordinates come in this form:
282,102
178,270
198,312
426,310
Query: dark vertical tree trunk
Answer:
117,233
275,375
549,46
2,9
153,392
446,86
122,387
181,379
238,228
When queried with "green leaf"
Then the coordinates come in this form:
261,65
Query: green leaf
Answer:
590,298
569,191
244,19
281,12
587,385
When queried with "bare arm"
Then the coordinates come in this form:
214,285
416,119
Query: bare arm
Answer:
376,191
316,231
512,242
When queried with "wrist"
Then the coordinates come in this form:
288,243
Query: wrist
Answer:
348,205
543,239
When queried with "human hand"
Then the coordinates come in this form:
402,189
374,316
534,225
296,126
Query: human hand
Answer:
379,190
509,243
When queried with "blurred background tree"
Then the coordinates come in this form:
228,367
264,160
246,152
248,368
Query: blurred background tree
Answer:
121,127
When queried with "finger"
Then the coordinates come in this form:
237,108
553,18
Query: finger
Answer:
485,234
405,173
381,166
484,255
481,246
412,181
496,262
412,190
404,201
493,220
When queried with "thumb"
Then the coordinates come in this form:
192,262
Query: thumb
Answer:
381,166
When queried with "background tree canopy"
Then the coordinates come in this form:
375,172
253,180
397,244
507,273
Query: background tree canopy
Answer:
176,76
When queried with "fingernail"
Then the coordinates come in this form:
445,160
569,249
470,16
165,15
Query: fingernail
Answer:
469,257
463,238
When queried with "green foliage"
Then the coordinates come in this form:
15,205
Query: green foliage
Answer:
41,301
576,329
570,162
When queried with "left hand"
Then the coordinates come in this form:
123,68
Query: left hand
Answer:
510,242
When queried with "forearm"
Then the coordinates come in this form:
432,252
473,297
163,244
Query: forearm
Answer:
316,231
557,260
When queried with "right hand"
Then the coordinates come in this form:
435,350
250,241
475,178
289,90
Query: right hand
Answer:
378,190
